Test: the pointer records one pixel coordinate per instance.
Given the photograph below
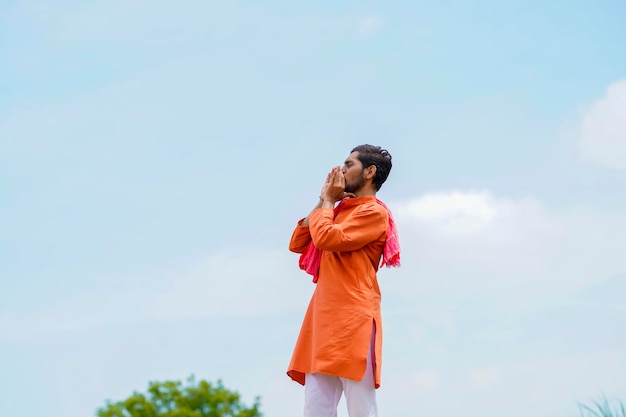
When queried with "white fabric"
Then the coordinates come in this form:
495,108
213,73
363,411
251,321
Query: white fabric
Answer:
323,392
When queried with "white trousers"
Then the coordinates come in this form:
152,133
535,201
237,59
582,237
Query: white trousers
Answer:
323,392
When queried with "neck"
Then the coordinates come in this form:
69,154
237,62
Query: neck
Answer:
365,191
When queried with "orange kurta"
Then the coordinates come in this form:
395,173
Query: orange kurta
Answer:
336,331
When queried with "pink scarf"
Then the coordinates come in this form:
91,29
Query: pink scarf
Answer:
311,258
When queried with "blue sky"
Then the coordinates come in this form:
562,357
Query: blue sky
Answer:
154,158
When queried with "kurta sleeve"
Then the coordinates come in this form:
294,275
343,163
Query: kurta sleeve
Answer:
361,228
300,238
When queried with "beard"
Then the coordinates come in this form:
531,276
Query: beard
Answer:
354,186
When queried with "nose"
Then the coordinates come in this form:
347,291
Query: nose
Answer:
344,170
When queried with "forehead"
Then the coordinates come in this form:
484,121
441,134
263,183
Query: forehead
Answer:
353,157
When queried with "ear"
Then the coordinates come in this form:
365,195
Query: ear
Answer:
370,171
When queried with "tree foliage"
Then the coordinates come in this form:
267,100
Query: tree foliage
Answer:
173,399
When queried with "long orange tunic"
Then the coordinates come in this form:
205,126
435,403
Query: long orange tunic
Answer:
337,328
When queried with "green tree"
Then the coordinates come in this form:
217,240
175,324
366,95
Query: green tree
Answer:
173,399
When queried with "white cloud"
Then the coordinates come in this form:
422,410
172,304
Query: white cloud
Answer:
467,241
369,24
603,128
452,213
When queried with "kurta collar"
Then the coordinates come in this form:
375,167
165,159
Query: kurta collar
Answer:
352,202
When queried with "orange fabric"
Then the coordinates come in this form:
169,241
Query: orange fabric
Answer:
337,327
311,257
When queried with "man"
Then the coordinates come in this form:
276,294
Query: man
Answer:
340,343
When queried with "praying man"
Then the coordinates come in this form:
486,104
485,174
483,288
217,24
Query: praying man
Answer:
339,348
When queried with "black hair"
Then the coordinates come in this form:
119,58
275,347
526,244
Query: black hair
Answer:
377,156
